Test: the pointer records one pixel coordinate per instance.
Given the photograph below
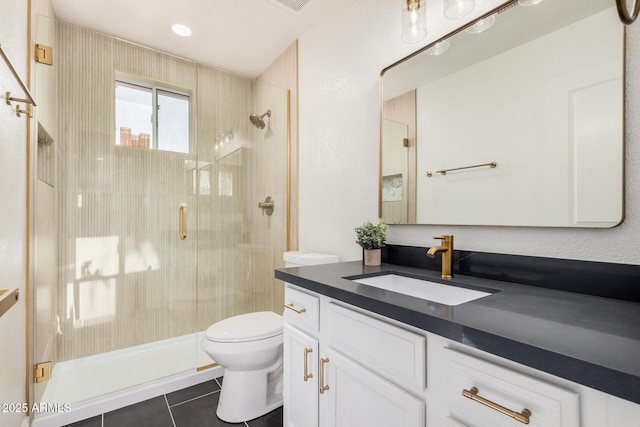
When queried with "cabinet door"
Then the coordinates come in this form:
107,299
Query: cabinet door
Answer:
357,397
300,378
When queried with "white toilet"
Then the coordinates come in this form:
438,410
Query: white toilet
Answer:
249,347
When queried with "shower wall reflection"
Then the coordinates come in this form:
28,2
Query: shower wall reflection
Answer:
125,277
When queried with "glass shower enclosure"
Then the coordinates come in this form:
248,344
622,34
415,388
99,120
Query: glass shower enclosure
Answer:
148,232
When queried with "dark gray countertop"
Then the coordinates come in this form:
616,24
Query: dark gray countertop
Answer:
590,340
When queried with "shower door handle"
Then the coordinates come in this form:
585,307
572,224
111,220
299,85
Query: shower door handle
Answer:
183,222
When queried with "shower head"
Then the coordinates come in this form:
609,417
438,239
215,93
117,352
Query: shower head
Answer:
258,121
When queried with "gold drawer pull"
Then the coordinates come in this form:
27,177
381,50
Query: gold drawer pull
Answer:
323,387
297,310
523,416
307,375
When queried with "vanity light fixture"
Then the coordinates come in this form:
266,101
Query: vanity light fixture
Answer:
413,20
438,49
181,30
482,25
454,9
529,2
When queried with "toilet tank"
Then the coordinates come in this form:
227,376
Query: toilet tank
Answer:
300,258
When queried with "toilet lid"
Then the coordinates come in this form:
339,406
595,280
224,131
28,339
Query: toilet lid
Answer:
246,327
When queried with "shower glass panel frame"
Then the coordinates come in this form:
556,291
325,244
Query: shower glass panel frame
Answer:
123,282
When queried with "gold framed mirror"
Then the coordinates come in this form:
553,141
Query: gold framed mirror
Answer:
516,119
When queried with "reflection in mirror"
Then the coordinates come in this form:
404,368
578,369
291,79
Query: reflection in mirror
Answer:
540,93
395,171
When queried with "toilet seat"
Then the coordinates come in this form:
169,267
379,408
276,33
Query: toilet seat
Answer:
246,327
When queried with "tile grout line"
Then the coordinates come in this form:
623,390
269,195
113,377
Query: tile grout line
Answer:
192,399
169,408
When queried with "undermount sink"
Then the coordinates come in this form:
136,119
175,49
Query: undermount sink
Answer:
423,289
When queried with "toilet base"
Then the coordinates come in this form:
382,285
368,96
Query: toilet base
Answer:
246,395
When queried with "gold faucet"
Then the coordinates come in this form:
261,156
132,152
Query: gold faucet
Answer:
447,255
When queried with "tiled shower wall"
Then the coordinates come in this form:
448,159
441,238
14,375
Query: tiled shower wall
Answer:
125,277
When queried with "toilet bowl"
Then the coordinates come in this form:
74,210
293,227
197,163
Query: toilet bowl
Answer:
249,347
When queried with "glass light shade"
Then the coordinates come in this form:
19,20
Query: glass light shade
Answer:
414,20
529,2
482,25
454,9
439,48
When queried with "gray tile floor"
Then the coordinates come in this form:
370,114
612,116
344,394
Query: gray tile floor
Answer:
191,407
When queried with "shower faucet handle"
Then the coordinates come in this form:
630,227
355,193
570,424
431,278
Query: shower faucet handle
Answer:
267,205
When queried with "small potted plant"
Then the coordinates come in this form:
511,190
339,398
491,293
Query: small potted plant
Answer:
371,238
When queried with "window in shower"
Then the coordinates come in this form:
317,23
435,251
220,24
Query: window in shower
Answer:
150,116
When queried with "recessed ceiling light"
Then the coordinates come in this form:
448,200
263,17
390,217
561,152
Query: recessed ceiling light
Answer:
181,30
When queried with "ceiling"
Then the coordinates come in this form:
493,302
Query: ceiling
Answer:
241,36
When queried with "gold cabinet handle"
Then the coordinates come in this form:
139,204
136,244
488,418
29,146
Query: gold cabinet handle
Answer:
307,375
183,222
323,387
297,310
523,416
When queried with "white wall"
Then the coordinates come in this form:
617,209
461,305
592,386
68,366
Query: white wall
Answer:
339,65
13,143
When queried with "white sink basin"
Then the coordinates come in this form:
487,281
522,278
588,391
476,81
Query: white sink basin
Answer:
423,289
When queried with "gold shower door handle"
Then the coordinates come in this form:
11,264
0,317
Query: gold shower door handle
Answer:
323,387
307,375
522,416
183,222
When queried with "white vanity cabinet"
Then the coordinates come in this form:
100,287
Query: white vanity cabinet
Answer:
346,372
347,367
